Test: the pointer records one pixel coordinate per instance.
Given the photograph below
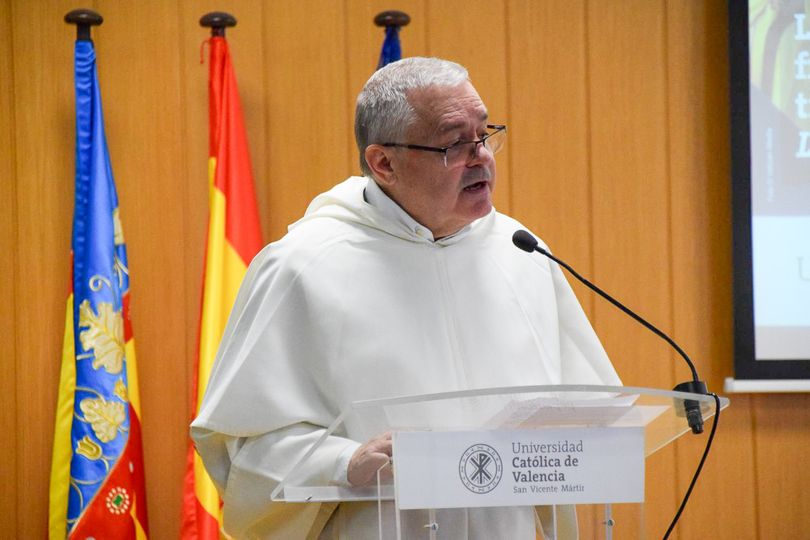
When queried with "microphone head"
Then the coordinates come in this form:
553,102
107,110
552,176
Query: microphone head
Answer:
524,240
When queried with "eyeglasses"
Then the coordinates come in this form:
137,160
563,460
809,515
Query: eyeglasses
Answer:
463,151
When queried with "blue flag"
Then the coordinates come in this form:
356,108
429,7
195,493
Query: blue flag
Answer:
97,446
391,50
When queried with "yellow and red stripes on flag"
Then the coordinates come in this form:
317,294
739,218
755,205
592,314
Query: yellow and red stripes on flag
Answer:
96,522
234,238
63,448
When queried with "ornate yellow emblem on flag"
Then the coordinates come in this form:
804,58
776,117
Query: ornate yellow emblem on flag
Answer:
121,391
104,335
88,448
104,416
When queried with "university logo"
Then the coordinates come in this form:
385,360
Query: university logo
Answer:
480,468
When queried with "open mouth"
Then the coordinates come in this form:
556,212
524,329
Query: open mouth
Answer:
478,186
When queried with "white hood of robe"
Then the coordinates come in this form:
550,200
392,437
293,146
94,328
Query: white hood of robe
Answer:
352,305
350,202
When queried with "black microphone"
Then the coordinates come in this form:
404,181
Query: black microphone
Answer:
525,241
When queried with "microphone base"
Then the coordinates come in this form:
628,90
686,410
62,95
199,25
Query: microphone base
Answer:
691,408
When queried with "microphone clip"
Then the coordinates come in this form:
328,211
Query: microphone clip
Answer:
690,408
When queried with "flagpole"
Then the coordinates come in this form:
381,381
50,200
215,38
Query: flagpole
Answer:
83,19
217,21
393,21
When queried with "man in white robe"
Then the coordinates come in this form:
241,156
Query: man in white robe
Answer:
401,282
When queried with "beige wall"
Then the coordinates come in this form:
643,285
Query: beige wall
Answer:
617,155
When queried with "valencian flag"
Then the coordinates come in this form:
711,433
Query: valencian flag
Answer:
97,477
234,238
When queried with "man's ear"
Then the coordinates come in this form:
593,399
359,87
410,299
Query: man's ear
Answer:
378,159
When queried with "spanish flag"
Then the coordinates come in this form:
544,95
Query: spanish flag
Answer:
97,477
234,238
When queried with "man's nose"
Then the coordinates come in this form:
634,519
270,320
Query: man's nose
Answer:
480,154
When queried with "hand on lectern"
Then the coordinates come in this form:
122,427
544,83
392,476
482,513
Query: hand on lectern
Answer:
370,458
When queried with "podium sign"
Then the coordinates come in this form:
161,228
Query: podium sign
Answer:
460,469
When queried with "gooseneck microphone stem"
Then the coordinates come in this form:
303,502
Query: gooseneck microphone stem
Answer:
624,308
691,408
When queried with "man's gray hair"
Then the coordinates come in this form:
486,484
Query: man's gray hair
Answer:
383,113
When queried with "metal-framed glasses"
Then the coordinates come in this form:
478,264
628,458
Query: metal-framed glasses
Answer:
462,152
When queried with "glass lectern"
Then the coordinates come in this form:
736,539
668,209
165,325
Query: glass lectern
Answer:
541,446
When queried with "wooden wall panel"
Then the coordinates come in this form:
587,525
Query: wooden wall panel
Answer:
627,96
548,131
782,436
306,87
617,156
193,57
627,93
8,271
548,140
473,33
139,68
43,124
701,265
699,171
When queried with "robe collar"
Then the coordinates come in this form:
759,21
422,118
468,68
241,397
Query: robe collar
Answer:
385,205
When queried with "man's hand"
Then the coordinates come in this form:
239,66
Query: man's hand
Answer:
368,459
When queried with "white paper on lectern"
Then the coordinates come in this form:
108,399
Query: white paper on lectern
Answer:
614,411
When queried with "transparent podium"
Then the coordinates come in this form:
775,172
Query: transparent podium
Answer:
543,447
